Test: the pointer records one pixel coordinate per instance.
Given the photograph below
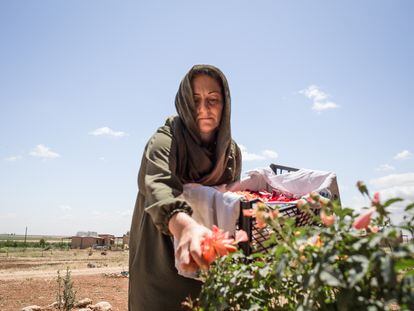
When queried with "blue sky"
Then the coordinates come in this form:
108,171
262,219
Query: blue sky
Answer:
324,85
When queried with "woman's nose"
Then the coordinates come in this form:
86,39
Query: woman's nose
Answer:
202,106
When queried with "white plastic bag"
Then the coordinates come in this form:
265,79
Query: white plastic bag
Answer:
299,183
210,207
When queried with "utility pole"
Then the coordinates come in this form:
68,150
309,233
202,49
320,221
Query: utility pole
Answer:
25,236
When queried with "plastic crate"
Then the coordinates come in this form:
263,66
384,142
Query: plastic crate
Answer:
257,236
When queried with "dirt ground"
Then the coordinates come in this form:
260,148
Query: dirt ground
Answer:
30,278
16,294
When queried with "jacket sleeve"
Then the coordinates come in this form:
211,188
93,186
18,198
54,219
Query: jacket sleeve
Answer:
162,187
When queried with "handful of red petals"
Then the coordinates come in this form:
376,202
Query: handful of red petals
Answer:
219,244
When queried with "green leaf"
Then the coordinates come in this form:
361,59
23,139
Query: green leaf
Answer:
404,263
409,207
259,264
254,307
392,201
410,273
360,268
256,255
264,272
387,271
375,241
329,279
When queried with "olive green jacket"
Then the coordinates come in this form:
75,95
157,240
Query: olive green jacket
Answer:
154,281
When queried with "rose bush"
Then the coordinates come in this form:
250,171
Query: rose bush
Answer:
346,262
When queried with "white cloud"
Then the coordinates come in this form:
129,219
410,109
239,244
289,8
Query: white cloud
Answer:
403,155
265,154
319,98
318,106
396,185
397,209
385,168
106,131
65,208
42,151
404,192
270,154
247,156
390,186
13,158
393,180
313,92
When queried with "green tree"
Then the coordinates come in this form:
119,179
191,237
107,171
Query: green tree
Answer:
42,243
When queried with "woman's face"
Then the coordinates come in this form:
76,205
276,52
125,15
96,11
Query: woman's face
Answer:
208,99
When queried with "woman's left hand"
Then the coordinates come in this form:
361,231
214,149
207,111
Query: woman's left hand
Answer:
189,235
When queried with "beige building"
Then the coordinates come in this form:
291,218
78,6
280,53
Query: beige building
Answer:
108,239
102,240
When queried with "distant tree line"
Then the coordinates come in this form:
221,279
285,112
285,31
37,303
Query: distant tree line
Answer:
42,243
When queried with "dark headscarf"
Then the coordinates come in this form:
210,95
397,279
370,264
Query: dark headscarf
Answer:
206,164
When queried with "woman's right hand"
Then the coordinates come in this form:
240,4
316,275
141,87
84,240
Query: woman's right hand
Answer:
189,235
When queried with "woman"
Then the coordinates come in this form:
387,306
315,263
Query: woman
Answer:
193,147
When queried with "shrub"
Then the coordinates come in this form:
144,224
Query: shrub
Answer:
42,243
65,296
351,262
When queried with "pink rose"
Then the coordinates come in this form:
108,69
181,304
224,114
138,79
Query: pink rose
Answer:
363,220
327,220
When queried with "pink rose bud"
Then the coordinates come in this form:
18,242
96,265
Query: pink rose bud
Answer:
327,220
362,187
363,220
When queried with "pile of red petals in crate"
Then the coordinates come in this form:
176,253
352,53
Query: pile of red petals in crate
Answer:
267,197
